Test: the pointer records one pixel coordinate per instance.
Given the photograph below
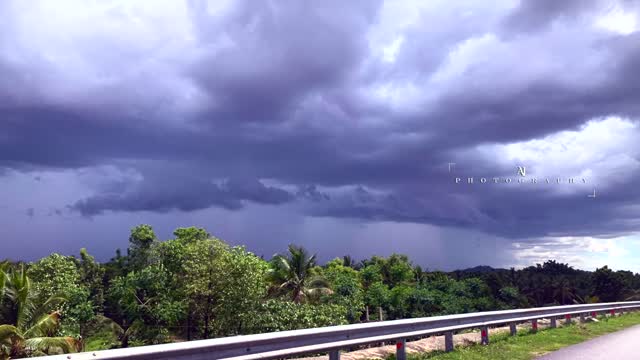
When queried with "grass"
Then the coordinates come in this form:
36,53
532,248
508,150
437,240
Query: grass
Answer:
103,339
527,345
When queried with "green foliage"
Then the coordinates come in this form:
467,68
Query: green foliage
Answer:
54,274
140,241
279,315
142,236
172,255
371,274
347,289
511,297
378,294
394,270
294,275
224,286
101,338
92,276
399,301
144,296
608,285
57,275
190,234
29,327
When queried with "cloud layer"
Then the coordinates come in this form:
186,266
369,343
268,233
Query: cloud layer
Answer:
341,110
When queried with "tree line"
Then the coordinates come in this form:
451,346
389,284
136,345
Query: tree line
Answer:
196,286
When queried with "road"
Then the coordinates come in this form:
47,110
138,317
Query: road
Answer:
621,345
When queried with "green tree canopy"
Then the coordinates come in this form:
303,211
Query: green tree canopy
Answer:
224,286
140,242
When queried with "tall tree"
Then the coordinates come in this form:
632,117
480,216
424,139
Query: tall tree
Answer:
564,293
140,241
224,286
347,289
92,276
292,274
608,285
59,275
145,297
190,234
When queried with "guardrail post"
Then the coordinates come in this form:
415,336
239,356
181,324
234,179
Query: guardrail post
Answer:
448,341
334,355
534,325
401,351
567,319
484,335
582,319
553,324
513,329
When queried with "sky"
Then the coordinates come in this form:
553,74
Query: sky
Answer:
346,127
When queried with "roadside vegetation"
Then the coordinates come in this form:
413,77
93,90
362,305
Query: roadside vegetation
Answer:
527,345
195,286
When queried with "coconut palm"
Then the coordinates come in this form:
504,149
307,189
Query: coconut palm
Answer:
292,274
564,292
29,328
348,261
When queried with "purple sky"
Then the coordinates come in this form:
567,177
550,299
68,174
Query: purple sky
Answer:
329,124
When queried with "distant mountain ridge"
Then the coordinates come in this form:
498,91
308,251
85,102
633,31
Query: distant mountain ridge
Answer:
479,269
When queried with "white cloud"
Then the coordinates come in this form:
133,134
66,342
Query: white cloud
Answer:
586,253
603,151
102,54
390,52
618,20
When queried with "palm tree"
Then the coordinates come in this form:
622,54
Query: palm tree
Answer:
564,292
292,274
348,261
419,275
28,328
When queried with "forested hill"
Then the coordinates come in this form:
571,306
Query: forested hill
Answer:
195,286
481,269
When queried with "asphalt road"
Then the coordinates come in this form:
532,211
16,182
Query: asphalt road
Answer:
621,345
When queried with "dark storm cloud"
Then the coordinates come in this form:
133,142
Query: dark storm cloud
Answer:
182,193
273,67
525,212
540,109
281,96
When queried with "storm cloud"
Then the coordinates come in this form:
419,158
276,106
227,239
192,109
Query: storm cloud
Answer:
341,110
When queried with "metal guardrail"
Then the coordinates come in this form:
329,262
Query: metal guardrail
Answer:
332,339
